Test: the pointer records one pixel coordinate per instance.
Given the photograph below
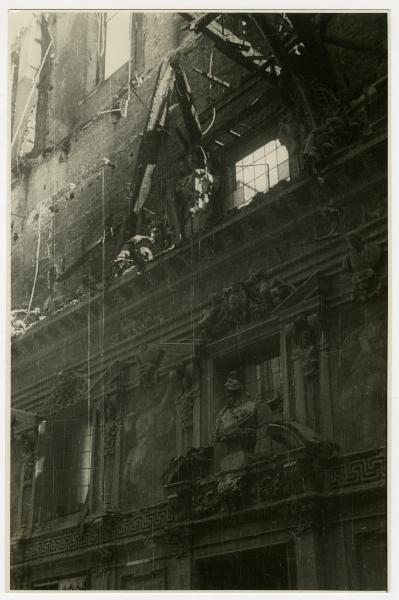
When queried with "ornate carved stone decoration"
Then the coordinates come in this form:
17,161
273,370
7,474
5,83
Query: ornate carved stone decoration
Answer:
28,441
187,374
179,540
206,498
364,469
339,129
149,359
111,423
269,480
73,583
306,343
179,478
236,424
112,527
241,303
188,377
102,559
28,456
363,261
211,323
279,290
306,517
70,388
232,490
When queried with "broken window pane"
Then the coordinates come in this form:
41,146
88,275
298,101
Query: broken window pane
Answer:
260,170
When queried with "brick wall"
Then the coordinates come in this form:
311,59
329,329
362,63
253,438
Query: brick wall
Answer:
75,220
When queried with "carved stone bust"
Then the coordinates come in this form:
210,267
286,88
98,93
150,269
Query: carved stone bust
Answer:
236,422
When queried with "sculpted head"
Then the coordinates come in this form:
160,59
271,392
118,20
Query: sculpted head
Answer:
233,388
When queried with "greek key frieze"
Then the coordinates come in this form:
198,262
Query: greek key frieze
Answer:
362,470
144,521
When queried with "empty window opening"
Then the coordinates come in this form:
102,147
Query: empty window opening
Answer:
65,475
117,40
260,171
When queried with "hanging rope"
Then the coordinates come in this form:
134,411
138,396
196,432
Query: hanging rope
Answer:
211,123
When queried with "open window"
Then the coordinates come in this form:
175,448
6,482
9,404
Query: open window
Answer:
257,171
117,40
63,468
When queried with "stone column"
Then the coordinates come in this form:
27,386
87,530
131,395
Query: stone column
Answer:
102,573
306,561
303,334
308,547
288,408
25,512
179,543
112,442
188,434
326,409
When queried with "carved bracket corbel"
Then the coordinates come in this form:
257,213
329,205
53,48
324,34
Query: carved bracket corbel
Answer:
102,560
179,540
232,489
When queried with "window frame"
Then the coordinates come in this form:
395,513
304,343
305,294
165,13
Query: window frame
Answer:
268,167
114,13
75,412
233,153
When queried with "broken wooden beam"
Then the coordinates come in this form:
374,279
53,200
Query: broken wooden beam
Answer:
212,78
239,50
201,21
186,101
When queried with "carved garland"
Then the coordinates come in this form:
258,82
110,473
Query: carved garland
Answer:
241,303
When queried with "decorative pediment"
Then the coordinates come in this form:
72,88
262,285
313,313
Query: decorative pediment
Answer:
72,386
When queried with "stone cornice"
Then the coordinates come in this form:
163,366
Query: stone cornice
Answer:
358,472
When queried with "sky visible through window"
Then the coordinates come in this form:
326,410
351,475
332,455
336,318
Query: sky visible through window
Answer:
262,169
116,41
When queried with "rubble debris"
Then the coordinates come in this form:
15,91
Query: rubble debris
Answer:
137,251
22,320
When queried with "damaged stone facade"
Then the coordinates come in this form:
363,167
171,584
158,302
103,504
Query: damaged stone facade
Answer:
199,334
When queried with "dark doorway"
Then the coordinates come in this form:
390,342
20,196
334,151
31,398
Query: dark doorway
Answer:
271,568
